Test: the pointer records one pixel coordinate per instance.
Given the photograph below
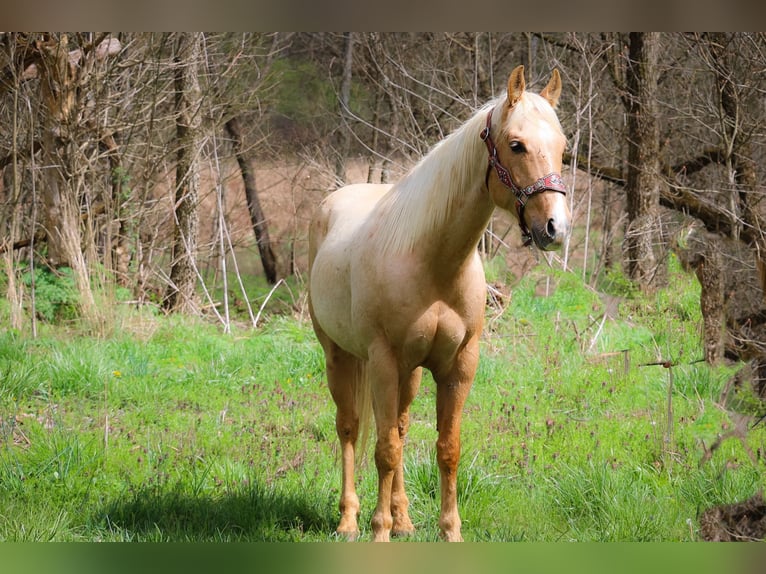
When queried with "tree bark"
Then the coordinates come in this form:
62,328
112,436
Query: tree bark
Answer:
63,173
645,265
710,273
257,218
180,293
58,85
345,98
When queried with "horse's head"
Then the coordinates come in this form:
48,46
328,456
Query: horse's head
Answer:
526,146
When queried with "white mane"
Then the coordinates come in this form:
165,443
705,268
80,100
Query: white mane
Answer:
424,198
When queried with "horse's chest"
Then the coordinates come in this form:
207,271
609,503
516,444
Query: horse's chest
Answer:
435,339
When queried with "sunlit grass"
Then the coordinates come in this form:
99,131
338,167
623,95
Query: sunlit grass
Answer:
173,430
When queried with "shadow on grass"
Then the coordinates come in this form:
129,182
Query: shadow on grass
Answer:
254,514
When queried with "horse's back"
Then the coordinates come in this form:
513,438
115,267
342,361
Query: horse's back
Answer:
342,212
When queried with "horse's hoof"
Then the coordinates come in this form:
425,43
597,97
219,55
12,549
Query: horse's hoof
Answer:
347,535
452,537
402,527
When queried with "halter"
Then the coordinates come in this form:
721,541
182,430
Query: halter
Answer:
550,182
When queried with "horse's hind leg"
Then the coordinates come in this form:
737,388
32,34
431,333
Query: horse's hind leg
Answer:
402,525
343,376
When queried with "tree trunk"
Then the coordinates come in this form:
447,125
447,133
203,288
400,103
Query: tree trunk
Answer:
58,84
63,173
118,235
257,219
710,273
180,293
345,98
645,263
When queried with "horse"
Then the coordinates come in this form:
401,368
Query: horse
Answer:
396,284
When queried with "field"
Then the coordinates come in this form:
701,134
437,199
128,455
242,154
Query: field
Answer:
170,430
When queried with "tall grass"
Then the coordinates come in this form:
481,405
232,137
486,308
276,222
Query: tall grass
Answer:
171,430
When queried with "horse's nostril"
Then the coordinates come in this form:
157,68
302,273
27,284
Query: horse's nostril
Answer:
551,229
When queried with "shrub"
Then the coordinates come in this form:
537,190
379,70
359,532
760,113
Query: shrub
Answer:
55,293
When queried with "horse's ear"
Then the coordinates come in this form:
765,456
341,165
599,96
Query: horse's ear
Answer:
552,91
516,85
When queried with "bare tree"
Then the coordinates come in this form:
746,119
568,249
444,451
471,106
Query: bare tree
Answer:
180,293
643,180
257,218
10,185
64,75
93,140
735,137
344,103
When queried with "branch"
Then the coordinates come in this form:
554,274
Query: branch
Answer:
27,64
713,217
7,160
673,196
553,41
21,243
25,56
605,173
688,167
41,236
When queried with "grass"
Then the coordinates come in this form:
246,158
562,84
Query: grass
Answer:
170,430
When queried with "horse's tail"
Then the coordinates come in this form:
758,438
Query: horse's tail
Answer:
363,398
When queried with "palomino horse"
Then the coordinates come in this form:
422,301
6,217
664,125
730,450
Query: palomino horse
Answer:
396,284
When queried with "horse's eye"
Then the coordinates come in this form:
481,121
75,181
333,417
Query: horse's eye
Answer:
517,146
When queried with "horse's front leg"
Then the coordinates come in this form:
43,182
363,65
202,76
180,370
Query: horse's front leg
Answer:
384,378
452,388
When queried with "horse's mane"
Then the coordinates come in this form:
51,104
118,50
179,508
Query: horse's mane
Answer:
425,197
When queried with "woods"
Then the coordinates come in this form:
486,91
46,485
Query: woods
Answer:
155,194
151,164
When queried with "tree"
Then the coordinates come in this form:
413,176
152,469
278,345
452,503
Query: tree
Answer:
344,102
257,218
643,182
64,76
180,294
98,125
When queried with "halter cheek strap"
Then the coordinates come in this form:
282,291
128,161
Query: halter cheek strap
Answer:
550,182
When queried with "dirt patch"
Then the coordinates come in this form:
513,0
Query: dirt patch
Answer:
740,522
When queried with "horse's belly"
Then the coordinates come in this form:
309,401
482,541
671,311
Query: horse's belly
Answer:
331,300
344,213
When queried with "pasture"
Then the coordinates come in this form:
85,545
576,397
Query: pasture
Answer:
170,430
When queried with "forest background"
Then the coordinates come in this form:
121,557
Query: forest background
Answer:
175,174
145,165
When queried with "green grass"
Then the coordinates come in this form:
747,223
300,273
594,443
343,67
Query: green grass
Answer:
170,430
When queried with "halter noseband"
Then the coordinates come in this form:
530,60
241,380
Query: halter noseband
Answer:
550,182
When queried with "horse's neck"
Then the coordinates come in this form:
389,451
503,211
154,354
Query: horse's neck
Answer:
440,208
454,243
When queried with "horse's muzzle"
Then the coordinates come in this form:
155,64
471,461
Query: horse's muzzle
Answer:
552,235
